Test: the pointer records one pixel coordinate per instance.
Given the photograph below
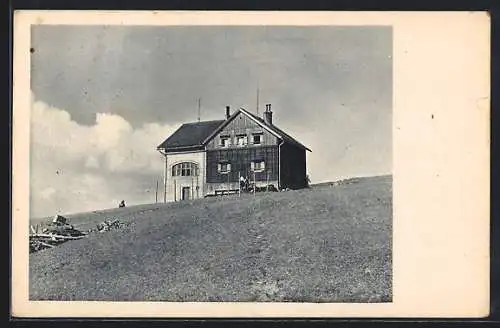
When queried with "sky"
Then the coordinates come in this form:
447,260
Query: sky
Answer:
104,97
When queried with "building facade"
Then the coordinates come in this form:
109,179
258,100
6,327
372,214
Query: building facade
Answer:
212,157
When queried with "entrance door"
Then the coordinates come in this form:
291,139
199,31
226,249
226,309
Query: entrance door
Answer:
186,193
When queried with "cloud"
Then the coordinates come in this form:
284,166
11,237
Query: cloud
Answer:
81,168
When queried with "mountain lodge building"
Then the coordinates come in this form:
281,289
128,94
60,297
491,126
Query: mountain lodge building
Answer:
210,157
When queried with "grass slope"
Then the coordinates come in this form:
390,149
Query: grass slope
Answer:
325,244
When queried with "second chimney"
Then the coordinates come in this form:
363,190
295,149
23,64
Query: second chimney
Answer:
268,115
228,112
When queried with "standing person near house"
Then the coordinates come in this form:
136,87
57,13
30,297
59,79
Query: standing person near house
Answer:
243,183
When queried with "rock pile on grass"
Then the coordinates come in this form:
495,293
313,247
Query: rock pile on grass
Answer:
108,225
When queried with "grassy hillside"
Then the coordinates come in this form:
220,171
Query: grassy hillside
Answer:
324,244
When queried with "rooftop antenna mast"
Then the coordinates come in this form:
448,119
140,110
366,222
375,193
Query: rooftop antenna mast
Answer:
199,109
257,100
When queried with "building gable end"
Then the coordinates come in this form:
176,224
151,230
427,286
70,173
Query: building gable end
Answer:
232,118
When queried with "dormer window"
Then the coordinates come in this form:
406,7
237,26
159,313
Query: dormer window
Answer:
241,140
257,139
225,141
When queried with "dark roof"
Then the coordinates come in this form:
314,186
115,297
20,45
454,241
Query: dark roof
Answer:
190,135
286,137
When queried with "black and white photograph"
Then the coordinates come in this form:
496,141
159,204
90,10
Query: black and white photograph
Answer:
250,164
212,163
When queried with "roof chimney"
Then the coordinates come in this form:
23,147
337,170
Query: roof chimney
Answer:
228,113
268,115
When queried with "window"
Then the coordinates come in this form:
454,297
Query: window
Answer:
258,166
185,169
225,141
224,167
241,140
257,139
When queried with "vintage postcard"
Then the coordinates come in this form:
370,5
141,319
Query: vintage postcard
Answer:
250,164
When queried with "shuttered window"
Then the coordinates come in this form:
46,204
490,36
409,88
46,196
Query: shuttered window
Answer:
241,140
257,139
225,141
224,167
257,166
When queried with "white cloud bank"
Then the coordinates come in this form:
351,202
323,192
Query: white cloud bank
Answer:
81,168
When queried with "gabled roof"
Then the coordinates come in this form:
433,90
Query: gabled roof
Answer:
281,134
195,135
190,135
271,128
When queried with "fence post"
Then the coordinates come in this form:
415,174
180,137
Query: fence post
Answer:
165,180
156,193
254,183
267,180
